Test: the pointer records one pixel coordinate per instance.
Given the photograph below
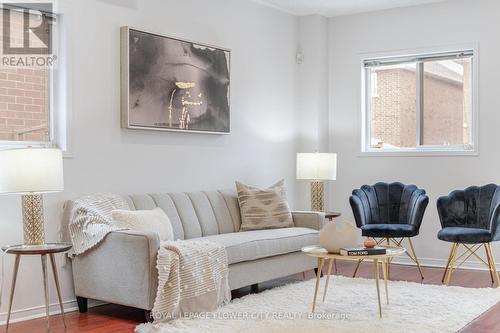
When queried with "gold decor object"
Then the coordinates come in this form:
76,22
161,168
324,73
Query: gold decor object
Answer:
369,243
317,167
30,172
185,85
317,196
34,233
185,117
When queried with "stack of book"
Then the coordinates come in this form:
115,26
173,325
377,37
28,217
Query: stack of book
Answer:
363,251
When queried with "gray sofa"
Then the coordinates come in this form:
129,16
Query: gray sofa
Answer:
122,269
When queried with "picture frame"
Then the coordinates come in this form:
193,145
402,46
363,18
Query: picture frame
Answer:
172,84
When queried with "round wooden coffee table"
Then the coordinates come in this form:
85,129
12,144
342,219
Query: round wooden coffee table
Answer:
322,255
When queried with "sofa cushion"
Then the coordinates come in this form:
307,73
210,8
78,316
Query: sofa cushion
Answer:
263,209
252,245
153,220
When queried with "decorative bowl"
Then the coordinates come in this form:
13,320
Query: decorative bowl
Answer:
336,235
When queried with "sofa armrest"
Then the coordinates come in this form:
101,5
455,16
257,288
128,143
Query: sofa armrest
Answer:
308,219
121,269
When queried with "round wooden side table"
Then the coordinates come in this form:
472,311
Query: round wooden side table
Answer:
332,215
43,251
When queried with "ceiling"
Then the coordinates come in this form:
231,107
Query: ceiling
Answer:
331,8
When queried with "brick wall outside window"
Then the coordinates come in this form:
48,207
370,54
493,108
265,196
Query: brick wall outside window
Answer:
24,95
446,109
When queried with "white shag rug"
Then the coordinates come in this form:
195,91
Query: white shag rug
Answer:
350,307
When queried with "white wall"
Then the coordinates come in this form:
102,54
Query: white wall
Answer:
312,94
260,150
278,108
449,23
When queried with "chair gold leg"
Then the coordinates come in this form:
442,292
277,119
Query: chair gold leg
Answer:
360,260
377,277
490,268
472,252
416,258
318,279
452,262
493,264
328,278
448,263
388,260
357,267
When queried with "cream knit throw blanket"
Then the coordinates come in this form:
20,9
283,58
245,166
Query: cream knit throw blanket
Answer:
192,278
91,220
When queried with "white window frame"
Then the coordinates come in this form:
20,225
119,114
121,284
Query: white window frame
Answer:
420,150
59,91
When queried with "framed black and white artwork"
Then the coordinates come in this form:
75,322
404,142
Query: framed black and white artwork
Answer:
174,85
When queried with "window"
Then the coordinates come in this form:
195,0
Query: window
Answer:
25,76
419,103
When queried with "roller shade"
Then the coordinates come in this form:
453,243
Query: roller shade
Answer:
387,61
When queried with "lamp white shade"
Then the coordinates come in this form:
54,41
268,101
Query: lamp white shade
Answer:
317,166
31,170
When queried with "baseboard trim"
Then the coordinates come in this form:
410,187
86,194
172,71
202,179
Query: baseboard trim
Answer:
39,311
440,263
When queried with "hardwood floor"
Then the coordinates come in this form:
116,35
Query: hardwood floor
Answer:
119,319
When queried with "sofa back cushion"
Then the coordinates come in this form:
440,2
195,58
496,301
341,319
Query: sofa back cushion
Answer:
194,214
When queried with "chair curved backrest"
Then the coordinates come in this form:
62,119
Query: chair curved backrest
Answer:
388,203
473,207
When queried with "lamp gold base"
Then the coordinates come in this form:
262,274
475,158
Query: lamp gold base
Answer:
317,196
34,233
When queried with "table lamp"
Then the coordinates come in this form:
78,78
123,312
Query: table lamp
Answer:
31,172
318,168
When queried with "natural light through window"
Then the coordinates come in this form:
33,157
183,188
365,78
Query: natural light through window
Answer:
419,103
25,79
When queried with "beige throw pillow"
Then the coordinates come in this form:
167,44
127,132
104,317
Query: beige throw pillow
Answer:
264,209
154,220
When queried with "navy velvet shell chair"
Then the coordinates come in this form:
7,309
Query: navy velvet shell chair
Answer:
469,219
387,212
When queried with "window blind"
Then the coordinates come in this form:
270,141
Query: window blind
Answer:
387,61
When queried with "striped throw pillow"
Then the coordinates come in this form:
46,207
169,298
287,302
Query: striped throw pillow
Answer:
264,209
